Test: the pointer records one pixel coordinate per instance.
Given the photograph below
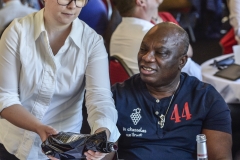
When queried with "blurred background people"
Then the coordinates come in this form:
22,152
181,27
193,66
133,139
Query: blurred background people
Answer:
234,8
232,37
34,4
13,9
95,15
1,4
209,17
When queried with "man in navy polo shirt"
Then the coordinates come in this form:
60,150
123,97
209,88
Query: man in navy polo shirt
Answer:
161,110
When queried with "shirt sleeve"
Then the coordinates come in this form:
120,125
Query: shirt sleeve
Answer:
9,66
218,116
100,105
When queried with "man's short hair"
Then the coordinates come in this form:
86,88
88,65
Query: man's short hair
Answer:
182,37
185,39
125,7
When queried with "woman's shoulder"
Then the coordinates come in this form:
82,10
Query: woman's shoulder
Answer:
24,24
85,32
86,28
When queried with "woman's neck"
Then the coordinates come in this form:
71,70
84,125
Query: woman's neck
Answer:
53,27
57,34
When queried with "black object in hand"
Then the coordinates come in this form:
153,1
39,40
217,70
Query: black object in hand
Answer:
67,145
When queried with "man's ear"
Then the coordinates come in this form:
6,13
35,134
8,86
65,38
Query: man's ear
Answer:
182,61
140,2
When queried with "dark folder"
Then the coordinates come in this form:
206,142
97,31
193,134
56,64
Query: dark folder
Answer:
232,72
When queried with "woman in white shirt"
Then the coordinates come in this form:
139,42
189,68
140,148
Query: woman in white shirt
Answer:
48,60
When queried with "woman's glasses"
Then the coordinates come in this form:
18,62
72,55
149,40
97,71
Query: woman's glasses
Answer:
79,3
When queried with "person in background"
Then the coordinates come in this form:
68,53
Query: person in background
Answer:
95,15
13,9
161,109
34,3
1,4
209,13
138,16
48,60
232,37
234,8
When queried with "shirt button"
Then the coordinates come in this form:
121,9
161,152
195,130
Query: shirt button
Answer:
156,112
157,100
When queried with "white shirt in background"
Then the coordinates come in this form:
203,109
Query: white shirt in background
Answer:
192,69
52,87
127,38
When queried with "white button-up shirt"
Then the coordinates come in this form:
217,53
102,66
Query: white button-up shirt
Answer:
52,87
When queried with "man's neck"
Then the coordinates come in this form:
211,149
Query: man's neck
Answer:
163,91
141,14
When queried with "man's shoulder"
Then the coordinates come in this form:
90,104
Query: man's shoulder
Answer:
193,85
130,83
191,82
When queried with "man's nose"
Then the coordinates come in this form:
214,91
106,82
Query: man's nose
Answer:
149,57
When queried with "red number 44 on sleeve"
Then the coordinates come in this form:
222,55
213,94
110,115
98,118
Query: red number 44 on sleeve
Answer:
185,113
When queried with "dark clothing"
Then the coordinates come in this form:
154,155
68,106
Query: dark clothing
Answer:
95,15
195,106
5,155
209,17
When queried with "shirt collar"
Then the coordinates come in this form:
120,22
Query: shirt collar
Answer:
135,20
39,24
76,31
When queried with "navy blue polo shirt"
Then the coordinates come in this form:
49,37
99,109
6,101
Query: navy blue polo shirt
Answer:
196,105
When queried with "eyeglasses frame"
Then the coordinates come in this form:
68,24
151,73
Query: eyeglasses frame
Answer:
71,2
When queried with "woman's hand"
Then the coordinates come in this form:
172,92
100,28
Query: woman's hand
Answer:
52,158
103,129
44,131
91,155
